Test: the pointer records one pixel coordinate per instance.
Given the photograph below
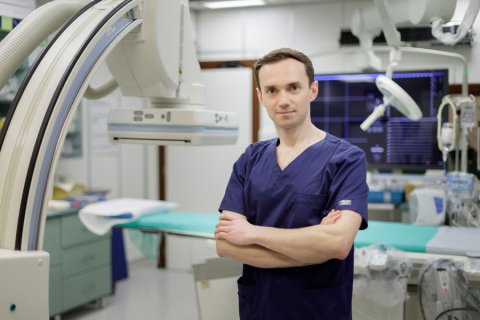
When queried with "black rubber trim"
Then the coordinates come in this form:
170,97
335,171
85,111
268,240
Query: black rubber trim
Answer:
46,119
33,68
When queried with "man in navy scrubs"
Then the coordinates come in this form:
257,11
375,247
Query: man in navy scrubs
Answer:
277,216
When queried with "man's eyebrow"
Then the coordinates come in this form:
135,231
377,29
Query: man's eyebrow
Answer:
268,87
296,83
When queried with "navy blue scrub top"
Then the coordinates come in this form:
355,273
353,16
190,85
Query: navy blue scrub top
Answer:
330,174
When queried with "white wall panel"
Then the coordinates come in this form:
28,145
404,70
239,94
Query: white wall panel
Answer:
196,177
153,173
268,29
316,27
133,168
220,32
105,174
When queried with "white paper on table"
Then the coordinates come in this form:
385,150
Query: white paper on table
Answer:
100,217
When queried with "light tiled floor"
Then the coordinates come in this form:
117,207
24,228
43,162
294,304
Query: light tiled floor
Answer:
149,293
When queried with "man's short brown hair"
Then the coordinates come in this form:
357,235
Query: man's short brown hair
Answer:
282,54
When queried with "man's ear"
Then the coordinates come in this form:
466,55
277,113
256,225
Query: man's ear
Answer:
260,98
314,90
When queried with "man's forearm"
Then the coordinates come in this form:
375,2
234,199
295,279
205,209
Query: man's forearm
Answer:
315,244
255,255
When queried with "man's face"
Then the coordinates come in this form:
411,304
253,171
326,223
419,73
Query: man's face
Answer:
286,93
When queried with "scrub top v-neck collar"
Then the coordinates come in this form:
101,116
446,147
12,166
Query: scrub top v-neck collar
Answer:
283,176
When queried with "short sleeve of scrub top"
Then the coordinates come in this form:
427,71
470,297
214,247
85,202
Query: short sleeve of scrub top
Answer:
348,189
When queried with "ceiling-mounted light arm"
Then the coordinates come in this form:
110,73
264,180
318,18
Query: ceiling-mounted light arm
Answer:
449,38
391,34
388,26
391,66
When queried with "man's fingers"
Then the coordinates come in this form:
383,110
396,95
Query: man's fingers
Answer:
336,216
226,216
222,223
335,213
220,235
332,213
332,217
327,221
221,229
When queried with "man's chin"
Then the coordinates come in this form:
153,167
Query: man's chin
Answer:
286,125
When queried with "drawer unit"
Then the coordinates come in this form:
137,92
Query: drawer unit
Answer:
87,256
86,288
80,268
51,241
74,232
55,291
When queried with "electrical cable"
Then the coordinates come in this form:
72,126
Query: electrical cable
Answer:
420,282
455,309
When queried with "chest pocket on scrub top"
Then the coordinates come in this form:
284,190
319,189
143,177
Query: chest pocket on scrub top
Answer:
309,209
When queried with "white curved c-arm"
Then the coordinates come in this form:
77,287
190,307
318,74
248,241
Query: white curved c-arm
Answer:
31,140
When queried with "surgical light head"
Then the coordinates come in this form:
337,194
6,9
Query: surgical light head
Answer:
395,96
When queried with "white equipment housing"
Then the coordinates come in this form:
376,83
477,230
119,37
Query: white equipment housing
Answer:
172,127
428,206
24,289
157,60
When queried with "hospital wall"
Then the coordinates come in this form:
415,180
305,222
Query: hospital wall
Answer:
249,33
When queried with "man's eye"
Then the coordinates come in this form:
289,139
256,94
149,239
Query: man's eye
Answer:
271,91
295,88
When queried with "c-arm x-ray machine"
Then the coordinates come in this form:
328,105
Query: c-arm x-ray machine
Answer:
149,50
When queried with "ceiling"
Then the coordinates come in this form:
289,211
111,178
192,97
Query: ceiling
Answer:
198,4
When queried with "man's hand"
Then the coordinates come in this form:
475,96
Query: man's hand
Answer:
332,217
235,228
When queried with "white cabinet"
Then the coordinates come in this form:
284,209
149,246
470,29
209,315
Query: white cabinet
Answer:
182,251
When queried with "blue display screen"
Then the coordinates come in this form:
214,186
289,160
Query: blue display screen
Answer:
393,141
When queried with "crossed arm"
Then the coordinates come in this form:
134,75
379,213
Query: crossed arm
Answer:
266,247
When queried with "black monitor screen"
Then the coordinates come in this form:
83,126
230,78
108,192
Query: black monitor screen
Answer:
393,141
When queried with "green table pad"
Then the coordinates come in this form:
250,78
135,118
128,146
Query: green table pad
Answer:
402,236
195,222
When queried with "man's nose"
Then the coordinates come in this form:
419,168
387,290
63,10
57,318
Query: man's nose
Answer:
284,99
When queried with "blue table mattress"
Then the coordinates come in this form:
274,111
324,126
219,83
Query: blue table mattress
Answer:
406,237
